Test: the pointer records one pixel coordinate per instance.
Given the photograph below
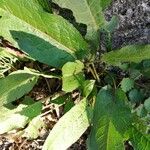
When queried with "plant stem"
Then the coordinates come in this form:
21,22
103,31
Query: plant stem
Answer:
95,72
91,70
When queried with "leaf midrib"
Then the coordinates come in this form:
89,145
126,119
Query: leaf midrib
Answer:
82,111
92,16
107,140
50,37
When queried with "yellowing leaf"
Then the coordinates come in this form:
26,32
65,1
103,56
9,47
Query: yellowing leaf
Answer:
33,129
17,118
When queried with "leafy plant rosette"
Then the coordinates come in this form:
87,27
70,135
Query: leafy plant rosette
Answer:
118,113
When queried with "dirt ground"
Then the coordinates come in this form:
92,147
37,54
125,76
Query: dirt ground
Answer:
134,22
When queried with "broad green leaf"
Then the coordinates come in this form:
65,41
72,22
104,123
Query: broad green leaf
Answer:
69,128
140,125
146,68
32,110
45,5
135,74
28,100
147,104
68,105
133,53
72,75
112,25
136,96
141,111
108,30
88,87
71,68
33,129
111,120
139,140
127,84
146,72
8,110
89,12
146,64
15,121
107,137
16,118
15,86
46,37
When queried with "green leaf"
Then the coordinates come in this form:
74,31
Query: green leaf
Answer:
147,104
146,64
47,38
68,105
107,137
15,86
135,96
140,124
16,118
104,4
110,78
127,84
69,128
139,140
88,12
88,87
32,110
112,25
10,119
45,5
135,74
108,30
71,68
146,72
15,121
59,99
72,75
133,53
141,111
28,100
33,129
111,120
